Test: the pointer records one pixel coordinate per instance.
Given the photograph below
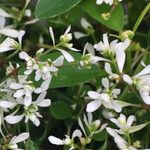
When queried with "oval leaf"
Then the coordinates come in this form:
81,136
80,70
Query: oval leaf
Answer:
115,20
60,110
51,8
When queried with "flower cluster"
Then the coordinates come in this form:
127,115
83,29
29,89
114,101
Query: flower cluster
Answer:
25,88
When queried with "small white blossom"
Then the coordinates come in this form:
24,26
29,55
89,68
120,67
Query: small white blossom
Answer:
121,143
93,126
11,68
106,97
31,111
11,44
113,48
86,26
88,59
142,83
17,139
67,141
110,2
125,124
23,89
64,43
104,47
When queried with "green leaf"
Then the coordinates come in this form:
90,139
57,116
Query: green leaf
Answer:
137,128
32,145
60,110
70,76
126,104
116,19
101,136
51,8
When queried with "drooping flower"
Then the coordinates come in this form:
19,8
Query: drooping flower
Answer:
88,59
86,26
68,140
64,43
92,126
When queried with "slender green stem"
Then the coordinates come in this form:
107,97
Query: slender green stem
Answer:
82,148
94,38
3,135
27,141
129,139
13,54
116,36
138,22
22,12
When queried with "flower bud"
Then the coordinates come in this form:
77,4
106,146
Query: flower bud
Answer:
137,144
127,35
66,38
12,146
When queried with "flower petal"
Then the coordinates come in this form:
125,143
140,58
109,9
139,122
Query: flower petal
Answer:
127,79
52,35
67,56
56,141
92,106
20,138
7,104
76,133
94,95
14,119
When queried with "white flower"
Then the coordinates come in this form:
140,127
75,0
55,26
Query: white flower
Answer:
86,25
93,126
64,42
90,58
110,2
30,62
113,49
120,54
31,111
43,70
104,47
67,141
142,83
121,143
108,114
17,139
6,30
11,44
23,89
106,97
11,68
123,123
112,76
